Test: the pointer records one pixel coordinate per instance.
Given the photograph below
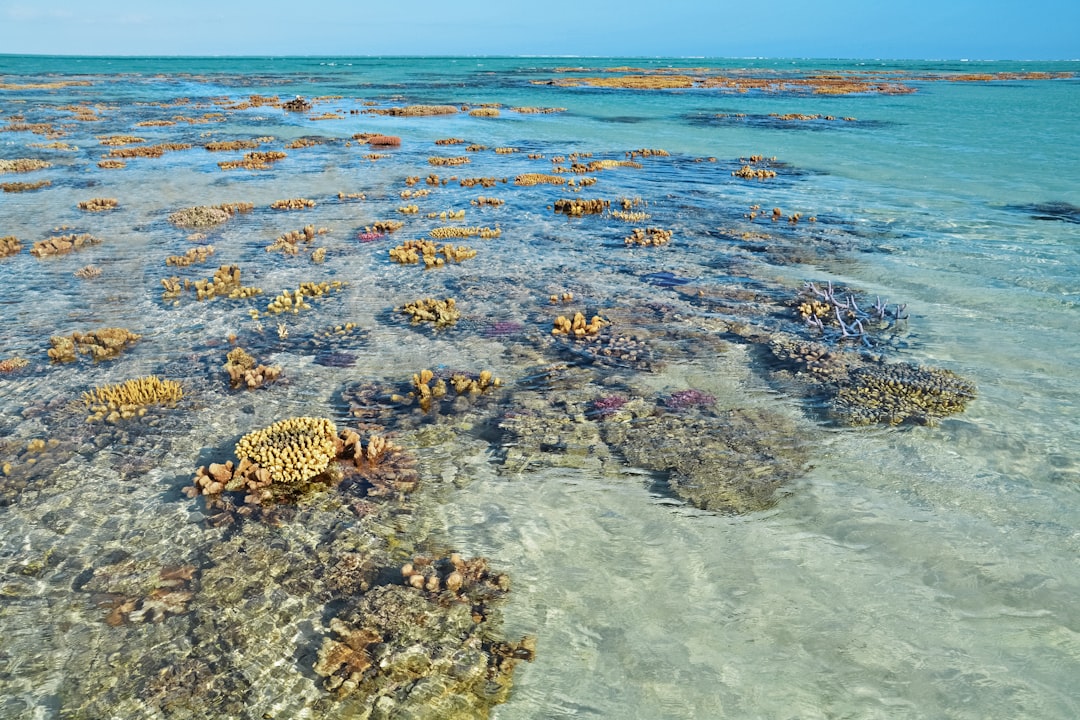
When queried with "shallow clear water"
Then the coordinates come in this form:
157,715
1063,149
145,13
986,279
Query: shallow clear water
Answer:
915,572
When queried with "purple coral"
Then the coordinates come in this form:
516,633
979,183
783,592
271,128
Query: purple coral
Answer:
608,405
683,399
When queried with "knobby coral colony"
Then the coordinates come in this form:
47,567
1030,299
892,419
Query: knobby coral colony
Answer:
299,455
63,244
202,216
413,251
577,208
244,370
224,283
428,395
130,399
9,245
293,301
577,327
103,344
439,312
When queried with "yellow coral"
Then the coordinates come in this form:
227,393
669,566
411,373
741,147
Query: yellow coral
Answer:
291,450
131,398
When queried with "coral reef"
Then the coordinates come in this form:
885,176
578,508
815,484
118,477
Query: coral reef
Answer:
289,243
207,215
858,389
489,201
439,312
530,179
293,301
224,283
115,140
431,390
131,398
13,363
112,164
450,141
22,165
414,110
9,245
98,204
191,256
17,187
150,151
733,462
103,344
413,251
484,112
648,237
88,272
232,145
577,327
63,244
486,233
245,371
292,204
253,161
384,226
297,104
577,208
895,393
449,161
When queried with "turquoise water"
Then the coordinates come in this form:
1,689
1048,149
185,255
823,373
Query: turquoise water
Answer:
908,572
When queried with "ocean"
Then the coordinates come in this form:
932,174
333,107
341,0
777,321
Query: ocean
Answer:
815,457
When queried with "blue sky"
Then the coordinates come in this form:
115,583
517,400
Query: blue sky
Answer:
942,29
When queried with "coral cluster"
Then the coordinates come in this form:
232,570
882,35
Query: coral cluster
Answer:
11,364
429,389
293,301
244,370
9,245
120,140
254,161
578,326
132,398
22,165
581,207
150,151
63,244
103,344
98,204
224,283
896,393
486,233
207,215
191,256
384,226
413,251
439,312
530,179
648,237
489,201
16,187
292,204
88,272
289,243
449,161
414,110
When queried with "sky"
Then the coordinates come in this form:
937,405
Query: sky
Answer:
918,29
